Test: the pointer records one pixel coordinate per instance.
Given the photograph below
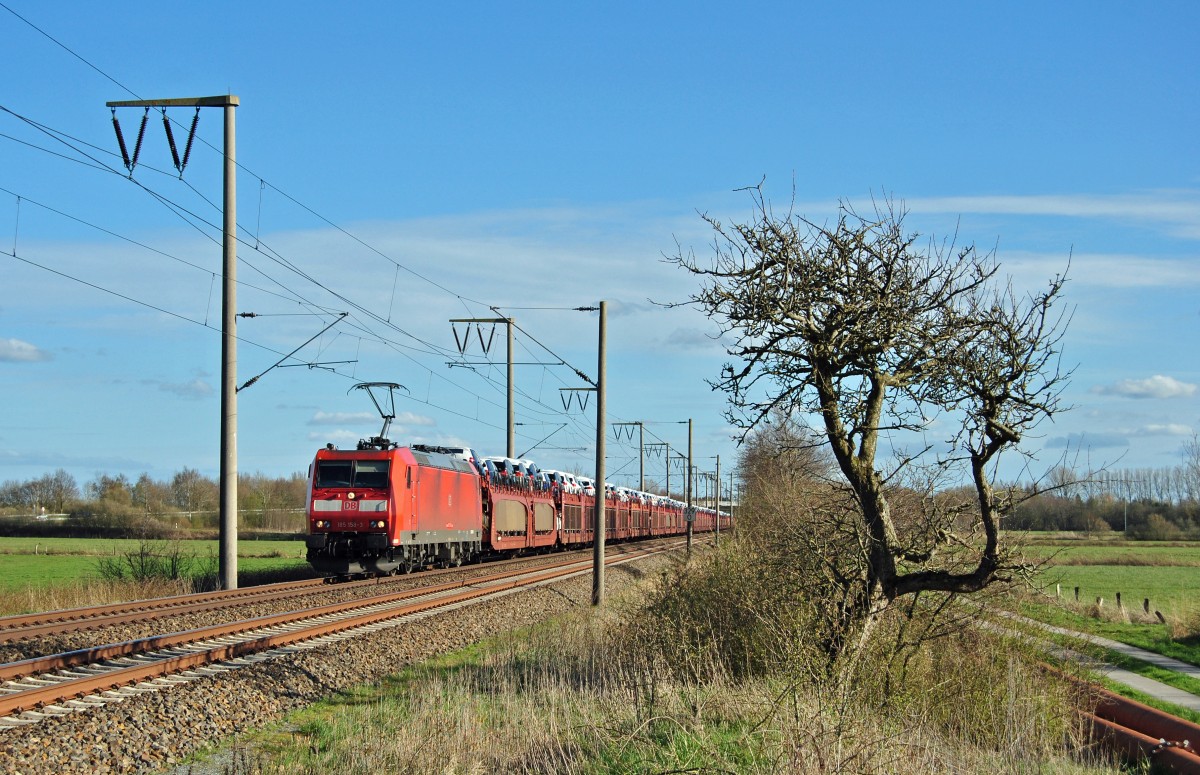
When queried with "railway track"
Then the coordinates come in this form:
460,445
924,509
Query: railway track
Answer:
24,627
59,701
1119,725
59,684
1140,733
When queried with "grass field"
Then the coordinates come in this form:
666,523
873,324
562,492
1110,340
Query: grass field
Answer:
565,697
95,547
1168,573
31,562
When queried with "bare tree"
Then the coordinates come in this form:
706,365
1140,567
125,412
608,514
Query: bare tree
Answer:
116,489
1190,474
857,325
192,491
63,489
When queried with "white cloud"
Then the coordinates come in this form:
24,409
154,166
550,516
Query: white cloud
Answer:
196,388
401,424
1165,429
408,418
337,438
1113,270
16,351
342,418
1078,441
1158,386
1176,211
692,338
620,308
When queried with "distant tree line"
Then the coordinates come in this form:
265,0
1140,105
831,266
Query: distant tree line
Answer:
185,504
1159,504
1148,520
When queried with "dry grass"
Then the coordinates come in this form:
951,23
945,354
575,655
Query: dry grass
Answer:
580,695
88,592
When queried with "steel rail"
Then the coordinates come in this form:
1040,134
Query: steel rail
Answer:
1137,731
1133,730
26,668
74,686
144,615
1135,746
27,626
86,613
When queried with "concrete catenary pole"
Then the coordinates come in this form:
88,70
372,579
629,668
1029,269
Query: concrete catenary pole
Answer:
668,477
691,514
731,494
598,525
227,558
512,412
717,480
510,444
229,411
641,457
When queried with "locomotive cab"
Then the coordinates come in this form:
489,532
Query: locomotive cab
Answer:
382,511
349,499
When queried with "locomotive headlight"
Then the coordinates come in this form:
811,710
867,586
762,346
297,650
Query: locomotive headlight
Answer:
379,523
351,495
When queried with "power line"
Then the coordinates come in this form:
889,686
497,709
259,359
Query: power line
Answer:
68,49
196,221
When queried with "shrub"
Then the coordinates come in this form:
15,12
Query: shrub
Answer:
722,616
1157,528
157,561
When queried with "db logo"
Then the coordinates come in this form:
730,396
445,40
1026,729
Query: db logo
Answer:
349,505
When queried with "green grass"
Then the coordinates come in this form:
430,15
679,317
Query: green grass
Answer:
548,700
1170,589
1118,552
1154,636
1168,677
110,546
1165,572
1146,699
490,702
19,571
40,562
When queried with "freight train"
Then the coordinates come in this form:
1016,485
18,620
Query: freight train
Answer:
383,509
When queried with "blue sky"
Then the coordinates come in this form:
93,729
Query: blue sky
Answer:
410,164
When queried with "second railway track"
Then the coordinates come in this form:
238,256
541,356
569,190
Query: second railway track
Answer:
24,627
79,680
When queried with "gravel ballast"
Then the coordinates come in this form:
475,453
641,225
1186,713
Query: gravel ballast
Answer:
155,731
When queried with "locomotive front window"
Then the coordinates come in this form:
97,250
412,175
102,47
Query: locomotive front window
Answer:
334,473
371,473
353,473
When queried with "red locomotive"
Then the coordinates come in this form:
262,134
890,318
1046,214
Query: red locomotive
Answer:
382,509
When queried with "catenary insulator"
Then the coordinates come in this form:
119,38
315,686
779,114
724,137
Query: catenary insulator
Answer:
187,150
137,147
121,140
171,139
